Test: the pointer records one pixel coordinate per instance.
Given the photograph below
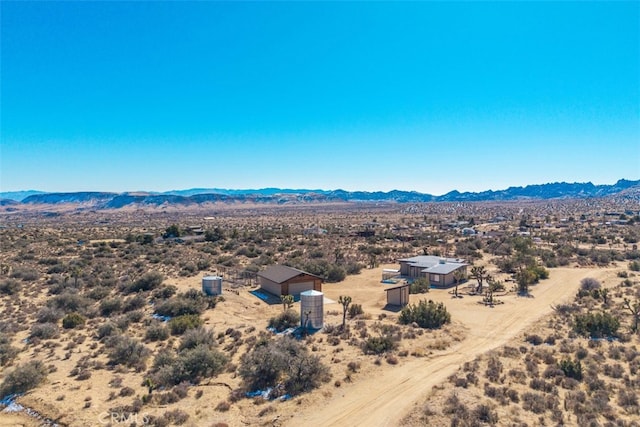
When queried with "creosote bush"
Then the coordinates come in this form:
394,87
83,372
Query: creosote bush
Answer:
285,320
378,345
7,352
427,314
282,360
178,325
571,368
72,321
127,351
23,378
596,325
190,364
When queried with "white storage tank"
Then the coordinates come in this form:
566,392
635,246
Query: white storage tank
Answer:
212,285
311,309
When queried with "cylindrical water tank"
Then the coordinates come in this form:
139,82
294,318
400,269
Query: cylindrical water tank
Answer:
212,285
311,309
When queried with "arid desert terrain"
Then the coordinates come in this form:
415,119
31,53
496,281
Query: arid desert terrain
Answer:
103,320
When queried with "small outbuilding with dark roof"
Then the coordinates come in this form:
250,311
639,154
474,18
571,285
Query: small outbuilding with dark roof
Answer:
283,280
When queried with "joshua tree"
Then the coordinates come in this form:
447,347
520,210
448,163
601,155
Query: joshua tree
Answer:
480,274
339,255
306,314
493,286
148,382
373,260
635,312
458,276
75,273
287,302
345,301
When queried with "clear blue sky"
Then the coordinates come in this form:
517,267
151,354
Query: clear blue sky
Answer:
424,96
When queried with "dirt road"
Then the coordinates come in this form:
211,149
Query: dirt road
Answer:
383,400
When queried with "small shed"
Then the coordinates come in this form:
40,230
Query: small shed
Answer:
283,280
398,295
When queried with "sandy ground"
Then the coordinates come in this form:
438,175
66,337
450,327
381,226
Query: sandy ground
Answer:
383,399
379,395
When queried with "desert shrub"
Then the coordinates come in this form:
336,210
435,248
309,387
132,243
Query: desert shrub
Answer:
48,315
336,274
148,282
106,330
178,325
282,360
134,303
355,310
494,369
485,414
285,320
164,292
589,284
127,351
628,399
7,352
596,325
69,302
614,371
72,321
191,364
157,331
534,339
181,305
98,293
110,306
634,265
427,314
135,316
23,378
542,385
176,416
353,268
126,391
202,362
10,287
83,375
44,331
197,336
378,345
223,406
534,402
25,274
419,286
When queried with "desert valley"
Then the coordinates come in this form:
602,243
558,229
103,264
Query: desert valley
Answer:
527,315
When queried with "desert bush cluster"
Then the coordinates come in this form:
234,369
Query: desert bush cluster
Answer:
578,368
95,295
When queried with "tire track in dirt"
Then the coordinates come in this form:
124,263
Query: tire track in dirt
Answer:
383,400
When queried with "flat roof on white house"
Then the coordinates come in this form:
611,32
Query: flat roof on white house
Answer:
427,261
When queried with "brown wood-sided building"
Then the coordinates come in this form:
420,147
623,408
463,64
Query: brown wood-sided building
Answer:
283,280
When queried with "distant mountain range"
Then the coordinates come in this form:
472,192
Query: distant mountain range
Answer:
198,196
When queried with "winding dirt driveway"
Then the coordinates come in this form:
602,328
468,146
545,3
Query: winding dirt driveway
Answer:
384,399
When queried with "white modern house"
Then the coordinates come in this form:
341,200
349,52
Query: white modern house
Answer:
439,271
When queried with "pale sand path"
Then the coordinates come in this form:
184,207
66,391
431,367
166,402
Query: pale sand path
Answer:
384,399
